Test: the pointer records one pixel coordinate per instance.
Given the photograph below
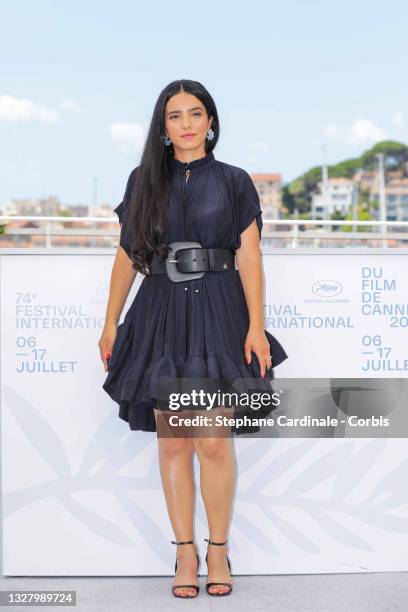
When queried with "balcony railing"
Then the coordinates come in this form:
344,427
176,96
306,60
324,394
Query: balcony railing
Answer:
50,232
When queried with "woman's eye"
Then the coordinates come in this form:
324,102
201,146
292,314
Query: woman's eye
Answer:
197,114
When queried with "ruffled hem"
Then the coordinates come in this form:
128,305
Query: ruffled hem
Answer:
135,387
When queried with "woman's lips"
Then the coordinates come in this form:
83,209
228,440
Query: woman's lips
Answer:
188,136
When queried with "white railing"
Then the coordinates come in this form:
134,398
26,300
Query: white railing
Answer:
49,231
292,236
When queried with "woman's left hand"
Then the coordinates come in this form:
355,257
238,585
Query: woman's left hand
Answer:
257,342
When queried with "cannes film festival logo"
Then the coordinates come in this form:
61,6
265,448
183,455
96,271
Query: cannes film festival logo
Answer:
327,288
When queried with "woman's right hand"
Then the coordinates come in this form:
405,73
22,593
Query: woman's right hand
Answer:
106,342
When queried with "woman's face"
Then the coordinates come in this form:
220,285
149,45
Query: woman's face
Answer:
186,122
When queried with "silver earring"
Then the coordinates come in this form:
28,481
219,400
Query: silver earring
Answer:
210,134
167,141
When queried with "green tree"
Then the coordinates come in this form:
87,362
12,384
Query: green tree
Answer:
363,214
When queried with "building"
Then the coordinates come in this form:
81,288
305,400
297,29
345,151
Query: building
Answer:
367,180
396,199
269,188
341,196
33,207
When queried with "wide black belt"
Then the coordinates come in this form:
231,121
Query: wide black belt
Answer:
188,260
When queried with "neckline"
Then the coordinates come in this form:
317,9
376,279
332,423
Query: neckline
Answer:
195,163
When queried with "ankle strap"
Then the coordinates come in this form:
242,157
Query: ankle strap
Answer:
186,542
216,543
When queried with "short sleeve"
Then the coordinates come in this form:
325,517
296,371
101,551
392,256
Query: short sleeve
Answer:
124,240
248,203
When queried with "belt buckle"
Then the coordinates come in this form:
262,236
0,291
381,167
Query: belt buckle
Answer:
172,271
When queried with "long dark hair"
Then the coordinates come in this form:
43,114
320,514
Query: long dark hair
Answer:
146,214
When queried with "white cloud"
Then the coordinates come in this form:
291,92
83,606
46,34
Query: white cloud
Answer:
13,110
257,149
259,146
70,105
360,132
127,137
398,119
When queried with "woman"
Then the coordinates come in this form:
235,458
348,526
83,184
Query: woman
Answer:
195,324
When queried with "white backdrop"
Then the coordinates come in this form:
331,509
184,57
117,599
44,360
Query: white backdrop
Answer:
81,493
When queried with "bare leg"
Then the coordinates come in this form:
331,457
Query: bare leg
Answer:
217,480
176,470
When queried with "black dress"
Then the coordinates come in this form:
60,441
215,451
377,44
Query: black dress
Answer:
197,328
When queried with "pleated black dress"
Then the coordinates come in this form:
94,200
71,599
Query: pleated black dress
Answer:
197,328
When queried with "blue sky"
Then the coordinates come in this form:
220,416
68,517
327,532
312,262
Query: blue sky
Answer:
79,81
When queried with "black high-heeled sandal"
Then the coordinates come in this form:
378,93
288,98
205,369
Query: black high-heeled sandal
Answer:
185,586
210,584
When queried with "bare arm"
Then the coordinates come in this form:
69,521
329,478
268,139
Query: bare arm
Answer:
249,262
122,278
